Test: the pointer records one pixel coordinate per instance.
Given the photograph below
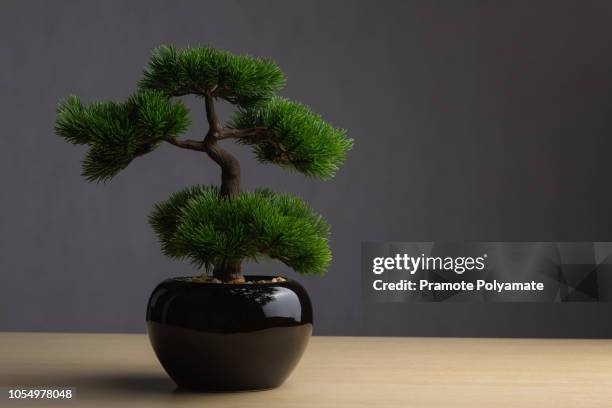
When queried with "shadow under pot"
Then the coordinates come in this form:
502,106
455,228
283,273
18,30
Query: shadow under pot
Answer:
229,337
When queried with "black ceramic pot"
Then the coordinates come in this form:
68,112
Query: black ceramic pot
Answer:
229,337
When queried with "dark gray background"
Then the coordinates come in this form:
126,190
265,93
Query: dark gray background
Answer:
473,120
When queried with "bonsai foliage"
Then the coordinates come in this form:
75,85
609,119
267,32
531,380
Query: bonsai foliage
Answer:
296,137
116,133
216,228
199,224
241,80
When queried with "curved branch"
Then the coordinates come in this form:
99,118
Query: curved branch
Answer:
242,133
211,114
230,166
187,144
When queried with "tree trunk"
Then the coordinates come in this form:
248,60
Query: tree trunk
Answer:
230,167
230,273
230,187
230,178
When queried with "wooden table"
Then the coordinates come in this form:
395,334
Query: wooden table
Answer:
117,369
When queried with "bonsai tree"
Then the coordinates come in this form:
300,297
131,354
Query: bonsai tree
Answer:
217,228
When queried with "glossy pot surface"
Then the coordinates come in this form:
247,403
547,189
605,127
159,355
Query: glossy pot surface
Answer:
225,337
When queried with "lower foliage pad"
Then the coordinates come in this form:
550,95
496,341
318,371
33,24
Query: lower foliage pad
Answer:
199,224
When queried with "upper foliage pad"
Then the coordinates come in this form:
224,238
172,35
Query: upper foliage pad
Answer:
239,79
119,132
215,231
295,137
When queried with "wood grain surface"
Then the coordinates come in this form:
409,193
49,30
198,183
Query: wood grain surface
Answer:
121,369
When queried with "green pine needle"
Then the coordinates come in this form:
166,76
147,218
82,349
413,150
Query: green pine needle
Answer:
117,133
296,137
239,79
211,230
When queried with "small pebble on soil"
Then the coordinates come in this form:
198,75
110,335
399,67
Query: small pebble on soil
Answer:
207,279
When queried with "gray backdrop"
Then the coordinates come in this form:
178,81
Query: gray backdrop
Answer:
473,120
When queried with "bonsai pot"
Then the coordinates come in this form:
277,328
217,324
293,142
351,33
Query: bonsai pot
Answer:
229,337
